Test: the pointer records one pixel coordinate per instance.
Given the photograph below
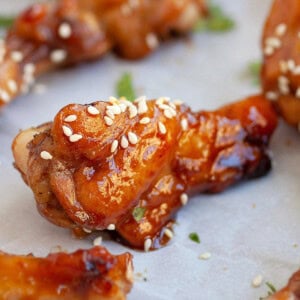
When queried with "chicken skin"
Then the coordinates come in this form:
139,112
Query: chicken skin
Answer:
129,167
281,68
65,32
93,274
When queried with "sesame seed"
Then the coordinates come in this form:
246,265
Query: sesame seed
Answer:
178,102
46,155
110,114
75,138
4,96
298,93
132,137
92,110
152,40
162,128
29,69
17,56
184,199
124,142
112,100
184,124
58,56
169,233
87,230
12,85
132,111
168,113
147,244
283,66
145,120
67,130
296,70
108,121
205,256
64,30
271,95
268,50
273,42
280,30
115,109
123,107
97,241
257,281
111,227
114,146
284,89
70,118
83,216
291,64
283,80
142,107
142,98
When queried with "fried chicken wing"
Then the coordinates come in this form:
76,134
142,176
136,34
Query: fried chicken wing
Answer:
93,274
128,166
281,68
291,291
60,33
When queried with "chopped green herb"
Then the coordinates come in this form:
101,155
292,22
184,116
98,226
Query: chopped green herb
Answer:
272,290
138,213
216,21
194,237
254,71
125,87
6,21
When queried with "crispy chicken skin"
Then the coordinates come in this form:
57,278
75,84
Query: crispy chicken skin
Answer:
291,291
281,68
93,274
59,33
96,165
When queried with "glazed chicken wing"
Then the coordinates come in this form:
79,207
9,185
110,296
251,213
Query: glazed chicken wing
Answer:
64,32
129,167
281,68
93,274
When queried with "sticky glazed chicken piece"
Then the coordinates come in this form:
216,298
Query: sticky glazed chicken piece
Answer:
291,291
93,274
281,68
129,167
65,32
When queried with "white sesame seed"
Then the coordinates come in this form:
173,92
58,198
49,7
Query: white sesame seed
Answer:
12,85
64,30
28,78
115,109
271,95
142,107
142,98
296,70
283,66
168,114
87,230
172,105
145,120
67,130
17,56
108,121
291,64
283,80
147,244
205,256
268,50
110,114
298,93
178,102
132,111
29,69
273,42
184,199
162,128
152,40
280,30
132,137
92,110
122,107
70,118
184,124
83,216
114,146
97,241
124,142
111,227
169,233
112,100
257,281
58,56
4,96
46,155
284,89
75,138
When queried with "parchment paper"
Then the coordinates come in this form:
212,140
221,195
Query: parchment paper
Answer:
252,228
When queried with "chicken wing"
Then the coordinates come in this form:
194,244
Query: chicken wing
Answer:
291,291
65,32
281,68
128,166
93,274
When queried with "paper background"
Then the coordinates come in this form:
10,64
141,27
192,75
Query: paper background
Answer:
244,241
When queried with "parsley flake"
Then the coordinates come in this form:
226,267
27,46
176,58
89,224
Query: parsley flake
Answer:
138,213
6,21
125,87
254,69
272,290
194,237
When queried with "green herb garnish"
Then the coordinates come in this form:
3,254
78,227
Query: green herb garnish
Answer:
216,21
138,213
194,237
254,71
125,87
6,21
272,290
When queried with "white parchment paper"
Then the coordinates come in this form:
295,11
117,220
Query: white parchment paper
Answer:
252,228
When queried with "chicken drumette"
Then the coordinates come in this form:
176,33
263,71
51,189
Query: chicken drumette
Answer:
59,33
129,166
93,274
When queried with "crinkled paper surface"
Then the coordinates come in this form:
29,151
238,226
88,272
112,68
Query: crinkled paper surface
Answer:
252,228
